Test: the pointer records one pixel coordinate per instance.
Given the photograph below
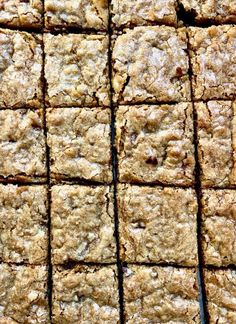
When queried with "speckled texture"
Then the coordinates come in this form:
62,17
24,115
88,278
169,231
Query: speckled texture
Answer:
160,295
213,62
217,143
84,295
76,70
219,227
20,69
221,295
150,64
79,141
158,225
23,224
23,294
21,13
22,145
82,224
143,12
81,14
155,144
215,11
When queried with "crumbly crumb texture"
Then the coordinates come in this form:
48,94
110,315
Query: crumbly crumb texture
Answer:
143,12
23,224
21,13
217,143
155,144
85,293
217,11
150,64
82,224
79,141
160,295
158,225
85,14
221,295
76,70
219,227
213,62
20,69
23,294
22,145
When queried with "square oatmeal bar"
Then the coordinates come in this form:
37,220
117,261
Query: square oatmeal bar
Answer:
155,144
160,295
84,294
76,70
79,142
82,224
158,225
150,64
21,61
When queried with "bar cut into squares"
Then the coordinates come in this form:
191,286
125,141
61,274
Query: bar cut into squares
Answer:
23,294
76,70
150,64
221,295
82,224
160,295
158,225
20,69
88,14
155,144
80,143
219,227
147,12
214,11
213,60
85,294
23,224
217,143
22,145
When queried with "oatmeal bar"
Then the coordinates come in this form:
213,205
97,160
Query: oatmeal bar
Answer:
160,295
217,143
213,62
143,12
76,70
221,295
22,145
150,64
155,144
23,224
23,294
21,13
158,225
81,14
82,224
215,11
79,141
20,69
219,227
85,295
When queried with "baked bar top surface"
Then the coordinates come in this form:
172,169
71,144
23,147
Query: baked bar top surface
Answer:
217,143
83,14
158,225
22,144
155,144
76,70
150,64
160,295
20,69
79,141
82,224
85,293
